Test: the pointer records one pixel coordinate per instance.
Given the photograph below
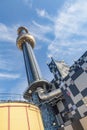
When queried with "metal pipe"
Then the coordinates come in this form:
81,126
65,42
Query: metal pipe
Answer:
46,96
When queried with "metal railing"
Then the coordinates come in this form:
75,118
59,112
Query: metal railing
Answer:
7,97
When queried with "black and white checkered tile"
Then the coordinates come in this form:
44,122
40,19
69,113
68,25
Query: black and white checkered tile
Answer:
76,125
74,85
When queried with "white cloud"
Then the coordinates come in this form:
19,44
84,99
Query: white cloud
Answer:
8,52
71,20
40,31
9,76
70,29
43,13
38,47
11,68
28,3
8,33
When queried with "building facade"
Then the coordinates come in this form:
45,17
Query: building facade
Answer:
73,83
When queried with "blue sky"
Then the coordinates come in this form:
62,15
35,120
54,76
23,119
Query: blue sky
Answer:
60,30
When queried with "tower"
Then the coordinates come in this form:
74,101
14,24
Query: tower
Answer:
26,43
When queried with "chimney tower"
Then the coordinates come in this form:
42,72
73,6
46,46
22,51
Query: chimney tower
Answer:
26,43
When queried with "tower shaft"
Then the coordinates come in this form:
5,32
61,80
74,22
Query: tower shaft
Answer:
26,43
32,69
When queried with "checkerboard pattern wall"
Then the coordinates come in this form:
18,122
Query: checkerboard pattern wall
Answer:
76,125
74,86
